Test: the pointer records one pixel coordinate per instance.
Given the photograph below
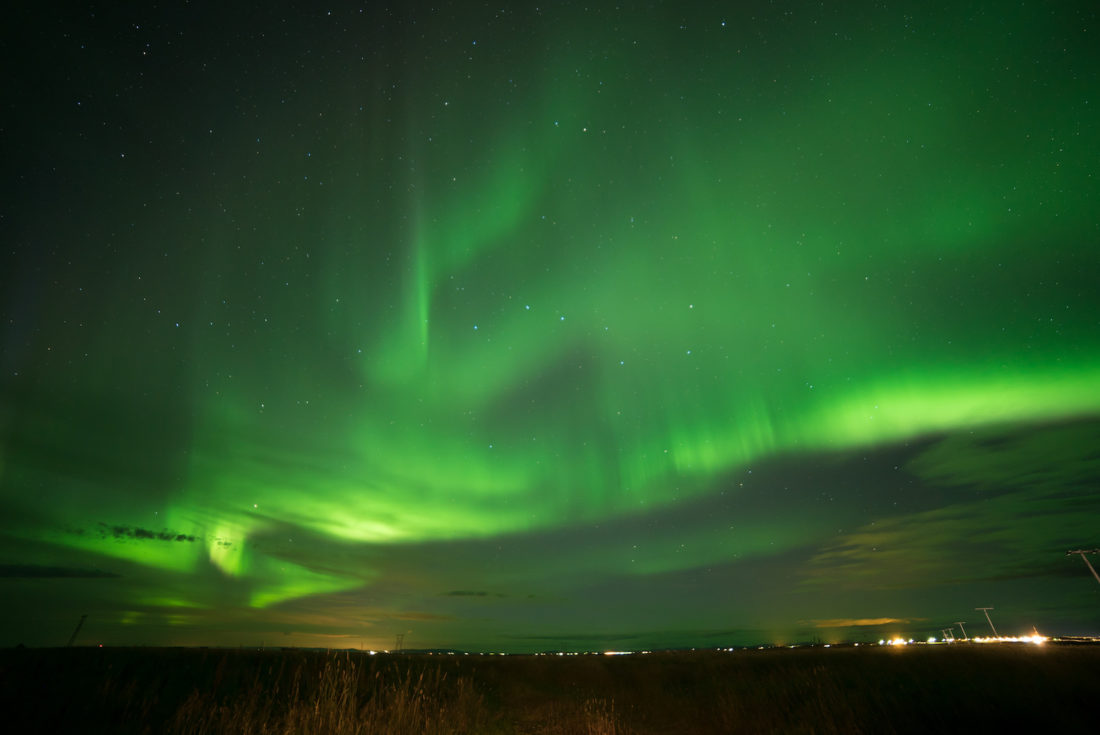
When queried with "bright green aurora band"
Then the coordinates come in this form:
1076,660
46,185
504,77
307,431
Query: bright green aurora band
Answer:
503,326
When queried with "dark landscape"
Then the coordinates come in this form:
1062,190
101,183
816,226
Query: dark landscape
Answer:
961,688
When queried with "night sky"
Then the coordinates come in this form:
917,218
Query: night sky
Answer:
504,328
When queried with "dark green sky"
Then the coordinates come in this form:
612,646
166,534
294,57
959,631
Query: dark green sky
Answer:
683,324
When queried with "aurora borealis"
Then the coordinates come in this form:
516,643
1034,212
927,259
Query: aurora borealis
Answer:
517,329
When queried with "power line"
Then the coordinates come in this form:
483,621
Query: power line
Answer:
77,630
986,611
1081,553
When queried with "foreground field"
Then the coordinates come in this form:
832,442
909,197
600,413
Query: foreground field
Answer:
838,690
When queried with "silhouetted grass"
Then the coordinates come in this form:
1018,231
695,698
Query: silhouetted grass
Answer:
838,690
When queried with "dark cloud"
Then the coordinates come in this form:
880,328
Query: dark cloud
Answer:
577,637
142,533
1058,455
1011,536
1059,566
466,593
35,571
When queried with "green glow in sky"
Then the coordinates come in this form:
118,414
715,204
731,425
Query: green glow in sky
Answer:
393,319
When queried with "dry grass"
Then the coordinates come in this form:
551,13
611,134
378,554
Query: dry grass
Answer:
346,696
196,692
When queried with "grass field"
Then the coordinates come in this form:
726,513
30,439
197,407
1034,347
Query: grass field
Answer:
962,688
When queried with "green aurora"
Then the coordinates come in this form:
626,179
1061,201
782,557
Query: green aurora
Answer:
524,329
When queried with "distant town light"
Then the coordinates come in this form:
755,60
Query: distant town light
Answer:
1033,639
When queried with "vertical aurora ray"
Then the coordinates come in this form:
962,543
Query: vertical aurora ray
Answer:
402,355
422,289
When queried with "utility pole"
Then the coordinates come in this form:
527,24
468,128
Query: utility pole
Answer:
960,624
400,643
986,611
78,627
1081,553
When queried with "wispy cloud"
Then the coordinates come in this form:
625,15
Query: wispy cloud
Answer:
856,622
1013,535
424,616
